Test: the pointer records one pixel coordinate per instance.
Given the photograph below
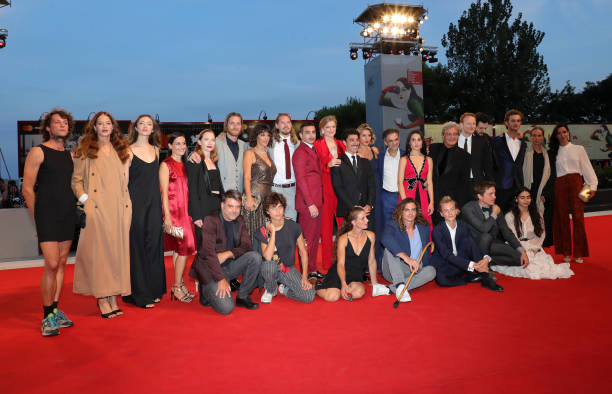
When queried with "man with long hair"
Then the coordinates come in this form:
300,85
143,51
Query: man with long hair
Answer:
230,150
284,143
49,166
404,238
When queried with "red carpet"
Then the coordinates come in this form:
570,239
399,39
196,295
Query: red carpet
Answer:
547,336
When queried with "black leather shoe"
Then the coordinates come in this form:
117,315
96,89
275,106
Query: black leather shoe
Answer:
488,283
472,277
246,303
234,284
315,275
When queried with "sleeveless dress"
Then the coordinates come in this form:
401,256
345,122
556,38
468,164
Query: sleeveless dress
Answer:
54,209
262,176
178,198
147,270
414,182
354,265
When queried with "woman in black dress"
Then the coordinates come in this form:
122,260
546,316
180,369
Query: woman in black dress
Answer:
49,166
355,252
147,270
204,182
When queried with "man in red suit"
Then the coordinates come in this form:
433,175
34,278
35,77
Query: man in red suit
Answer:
309,193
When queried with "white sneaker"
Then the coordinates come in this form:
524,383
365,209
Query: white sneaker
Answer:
398,291
378,290
283,289
266,298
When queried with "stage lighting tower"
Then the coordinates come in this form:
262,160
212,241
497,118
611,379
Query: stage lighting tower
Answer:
3,36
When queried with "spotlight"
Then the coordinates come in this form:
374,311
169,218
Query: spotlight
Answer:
400,51
376,25
425,17
364,33
425,57
420,49
386,18
370,29
410,19
353,53
3,36
366,53
421,21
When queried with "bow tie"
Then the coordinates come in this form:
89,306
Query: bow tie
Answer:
489,209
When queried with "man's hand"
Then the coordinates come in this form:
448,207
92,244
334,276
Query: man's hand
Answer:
524,260
496,210
314,212
223,256
412,263
305,283
223,289
482,265
195,158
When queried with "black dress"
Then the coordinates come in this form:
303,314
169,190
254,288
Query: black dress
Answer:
354,266
55,206
147,270
205,190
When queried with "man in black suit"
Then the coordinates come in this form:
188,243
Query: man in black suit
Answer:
481,158
353,180
456,257
489,228
508,155
451,168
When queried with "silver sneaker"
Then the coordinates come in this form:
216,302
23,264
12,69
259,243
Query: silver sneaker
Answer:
61,319
49,326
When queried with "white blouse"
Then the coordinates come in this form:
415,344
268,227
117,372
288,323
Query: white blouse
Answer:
573,159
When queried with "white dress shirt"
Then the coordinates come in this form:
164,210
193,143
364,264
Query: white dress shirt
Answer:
573,159
350,157
514,145
278,155
390,170
461,143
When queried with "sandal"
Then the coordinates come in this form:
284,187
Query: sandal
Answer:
180,295
108,315
186,290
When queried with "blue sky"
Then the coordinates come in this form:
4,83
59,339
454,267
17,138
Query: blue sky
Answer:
183,59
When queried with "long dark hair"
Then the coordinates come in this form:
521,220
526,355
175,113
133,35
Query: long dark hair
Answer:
347,225
397,213
173,136
534,214
154,137
423,148
553,142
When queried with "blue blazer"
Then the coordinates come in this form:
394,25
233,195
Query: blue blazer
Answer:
508,172
398,241
448,266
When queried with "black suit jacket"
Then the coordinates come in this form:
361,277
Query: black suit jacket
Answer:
481,159
448,266
453,180
474,217
353,188
508,172
201,201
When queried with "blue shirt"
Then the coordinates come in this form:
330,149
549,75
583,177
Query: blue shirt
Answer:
415,245
233,147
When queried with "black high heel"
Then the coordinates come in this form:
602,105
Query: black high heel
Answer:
108,315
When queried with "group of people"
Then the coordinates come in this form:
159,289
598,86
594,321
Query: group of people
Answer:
245,208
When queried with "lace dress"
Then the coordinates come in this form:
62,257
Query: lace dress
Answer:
541,264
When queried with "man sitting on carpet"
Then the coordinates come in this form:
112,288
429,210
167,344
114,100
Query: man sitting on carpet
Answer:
278,239
487,225
456,256
224,254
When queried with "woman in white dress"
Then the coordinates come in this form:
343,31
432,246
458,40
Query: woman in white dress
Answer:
527,224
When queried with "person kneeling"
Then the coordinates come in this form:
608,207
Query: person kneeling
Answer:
355,252
278,239
404,239
224,254
456,257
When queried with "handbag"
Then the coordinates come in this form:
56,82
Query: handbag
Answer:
176,232
585,193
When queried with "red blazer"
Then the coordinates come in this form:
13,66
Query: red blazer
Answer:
325,156
308,178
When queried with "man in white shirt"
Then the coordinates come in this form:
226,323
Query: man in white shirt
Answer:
456,255
481,159
508,153
283,146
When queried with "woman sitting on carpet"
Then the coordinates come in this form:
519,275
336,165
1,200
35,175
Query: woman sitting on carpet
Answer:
527,224
355,252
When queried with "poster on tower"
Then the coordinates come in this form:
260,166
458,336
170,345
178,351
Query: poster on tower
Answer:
394,94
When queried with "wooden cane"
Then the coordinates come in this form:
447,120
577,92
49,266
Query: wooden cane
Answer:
431,245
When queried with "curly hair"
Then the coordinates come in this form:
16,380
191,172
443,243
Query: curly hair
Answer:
258,129
213,153
154,137
366,127
46,122
534,214
88,146
272,200
399,209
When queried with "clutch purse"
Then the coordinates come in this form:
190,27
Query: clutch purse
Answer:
585,193
244,200
176,232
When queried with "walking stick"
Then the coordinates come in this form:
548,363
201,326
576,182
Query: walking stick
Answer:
431,245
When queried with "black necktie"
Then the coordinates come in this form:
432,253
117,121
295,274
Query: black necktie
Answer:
465,145
354,163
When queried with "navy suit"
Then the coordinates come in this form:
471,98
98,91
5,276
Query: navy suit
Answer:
508,172
397,241
449,267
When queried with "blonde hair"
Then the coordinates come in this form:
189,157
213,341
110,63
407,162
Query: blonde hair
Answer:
365,126
327,119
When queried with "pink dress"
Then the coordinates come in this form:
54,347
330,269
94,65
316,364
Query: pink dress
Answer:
178,199
414,183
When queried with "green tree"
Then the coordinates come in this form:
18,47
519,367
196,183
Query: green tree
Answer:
494,63
437,93
349,115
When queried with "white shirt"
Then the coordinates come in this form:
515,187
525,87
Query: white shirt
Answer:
390,170
350,157
460,144
514,145
278,155
573,159
453,232
308,145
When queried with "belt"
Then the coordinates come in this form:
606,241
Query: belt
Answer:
284,185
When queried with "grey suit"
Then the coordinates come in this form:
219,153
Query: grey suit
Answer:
492,235
230,168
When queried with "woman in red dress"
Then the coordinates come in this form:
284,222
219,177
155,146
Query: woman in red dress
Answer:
175,199
329,150
415,175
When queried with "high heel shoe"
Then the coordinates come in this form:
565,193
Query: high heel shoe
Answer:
179,294
186,290
108,315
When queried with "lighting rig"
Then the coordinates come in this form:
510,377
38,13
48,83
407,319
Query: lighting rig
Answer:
3,32
392,29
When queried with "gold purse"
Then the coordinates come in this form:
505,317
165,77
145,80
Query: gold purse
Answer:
176,232
585,193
